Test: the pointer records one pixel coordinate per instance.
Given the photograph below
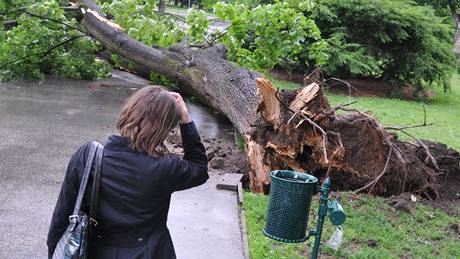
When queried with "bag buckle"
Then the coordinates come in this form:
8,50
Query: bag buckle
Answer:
73,218
93,221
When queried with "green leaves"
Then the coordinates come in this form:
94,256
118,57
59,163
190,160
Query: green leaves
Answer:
198,25
394,40
141,22
262,37
36,46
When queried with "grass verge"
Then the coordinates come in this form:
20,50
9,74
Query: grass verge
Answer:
372,230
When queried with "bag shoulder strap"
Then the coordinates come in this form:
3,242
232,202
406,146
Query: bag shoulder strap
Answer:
93,209
84,180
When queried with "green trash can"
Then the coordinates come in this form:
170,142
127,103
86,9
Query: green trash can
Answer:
289,206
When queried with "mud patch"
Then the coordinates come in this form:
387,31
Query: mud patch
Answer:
223,156
453,229
372,243
402,202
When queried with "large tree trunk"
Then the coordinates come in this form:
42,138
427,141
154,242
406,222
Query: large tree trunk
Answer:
289,129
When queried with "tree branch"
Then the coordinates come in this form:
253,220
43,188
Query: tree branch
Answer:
424,124
178,18
10,24
23,10
90,4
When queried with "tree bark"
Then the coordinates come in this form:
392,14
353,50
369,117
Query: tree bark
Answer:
296,130
453,11
162,6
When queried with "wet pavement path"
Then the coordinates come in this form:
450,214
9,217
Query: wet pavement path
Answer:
43,123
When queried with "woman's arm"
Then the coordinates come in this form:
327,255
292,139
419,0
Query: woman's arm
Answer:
192,170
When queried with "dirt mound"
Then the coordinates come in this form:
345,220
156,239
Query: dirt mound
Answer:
223,156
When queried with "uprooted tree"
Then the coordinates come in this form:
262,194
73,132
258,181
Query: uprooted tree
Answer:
291,129
297,129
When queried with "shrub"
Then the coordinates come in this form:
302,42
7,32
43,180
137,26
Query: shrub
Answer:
393,40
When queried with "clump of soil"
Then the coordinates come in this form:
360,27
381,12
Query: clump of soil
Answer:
453,228
406,201
372,243
222,155
402,202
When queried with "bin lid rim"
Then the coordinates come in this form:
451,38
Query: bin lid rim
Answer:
311,178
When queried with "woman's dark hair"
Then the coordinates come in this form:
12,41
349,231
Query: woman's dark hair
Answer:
146,119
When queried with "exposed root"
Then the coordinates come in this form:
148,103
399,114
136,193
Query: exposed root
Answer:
372,183
354,149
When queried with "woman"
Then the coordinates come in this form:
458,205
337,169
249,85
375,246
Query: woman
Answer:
137,180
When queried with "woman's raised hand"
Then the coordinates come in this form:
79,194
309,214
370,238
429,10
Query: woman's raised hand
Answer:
184,117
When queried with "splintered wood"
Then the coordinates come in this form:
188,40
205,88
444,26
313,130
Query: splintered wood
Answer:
304,97
271,104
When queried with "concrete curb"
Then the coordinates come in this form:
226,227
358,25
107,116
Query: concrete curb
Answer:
244,228
232,182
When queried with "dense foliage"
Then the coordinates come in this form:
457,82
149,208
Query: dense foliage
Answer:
393,40
38,46
252,3
441,7
141,22
257,38
269,35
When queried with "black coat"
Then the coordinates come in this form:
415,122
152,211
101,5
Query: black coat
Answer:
134,196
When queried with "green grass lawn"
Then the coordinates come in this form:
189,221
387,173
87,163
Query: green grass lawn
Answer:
422,234
372,230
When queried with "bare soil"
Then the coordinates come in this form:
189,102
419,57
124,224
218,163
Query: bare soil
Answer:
223,156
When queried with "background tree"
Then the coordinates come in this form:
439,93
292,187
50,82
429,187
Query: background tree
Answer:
396,41
445,8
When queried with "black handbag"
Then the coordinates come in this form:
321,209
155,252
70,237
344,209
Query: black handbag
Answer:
74,243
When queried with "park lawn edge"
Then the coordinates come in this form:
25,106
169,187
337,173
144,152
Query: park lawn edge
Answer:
373,229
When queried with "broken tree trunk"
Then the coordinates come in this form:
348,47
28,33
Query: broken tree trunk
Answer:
296,130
